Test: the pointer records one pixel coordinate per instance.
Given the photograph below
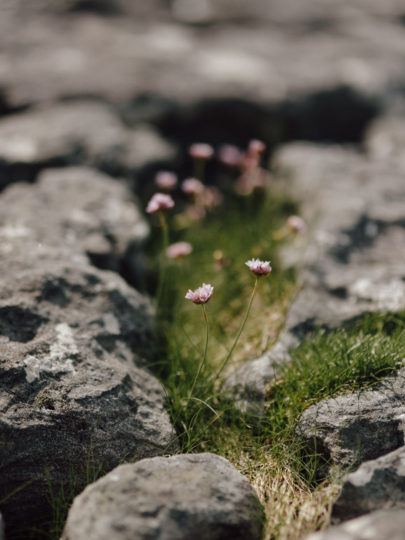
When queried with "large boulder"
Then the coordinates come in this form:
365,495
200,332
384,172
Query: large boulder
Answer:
75,393
364,425
197,496
377,484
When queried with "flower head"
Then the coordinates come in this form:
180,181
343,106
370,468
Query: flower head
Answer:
200,295
192,186
259,268
201,151
256,147
296,224
166,180
159,202
178,250
229,155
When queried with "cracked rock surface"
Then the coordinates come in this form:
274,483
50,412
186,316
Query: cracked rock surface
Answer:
377,484
360,426
74,391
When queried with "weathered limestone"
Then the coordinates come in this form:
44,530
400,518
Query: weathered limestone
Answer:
72,133
377,484
196,496
74,392
360,426
381,525
80,209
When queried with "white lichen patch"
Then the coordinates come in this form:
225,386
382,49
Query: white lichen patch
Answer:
59,359
65,344
111,324
14,231
387,296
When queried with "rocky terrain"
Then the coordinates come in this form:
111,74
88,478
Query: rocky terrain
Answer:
97,95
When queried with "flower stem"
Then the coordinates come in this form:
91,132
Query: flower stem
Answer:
228,357
162,265
205,351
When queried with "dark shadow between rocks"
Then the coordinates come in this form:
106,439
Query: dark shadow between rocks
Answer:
101,7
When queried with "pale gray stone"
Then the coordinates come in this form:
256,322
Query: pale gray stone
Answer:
360,426
377,484
196,496
381,525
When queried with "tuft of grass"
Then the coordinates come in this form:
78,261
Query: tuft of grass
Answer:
264,448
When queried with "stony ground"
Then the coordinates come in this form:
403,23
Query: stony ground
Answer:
97,95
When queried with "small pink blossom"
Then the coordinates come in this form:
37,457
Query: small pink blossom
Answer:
296,224
259,268
201,151
159,202
192,186
178,250
211,197
256,147
166,180
229,155
200,295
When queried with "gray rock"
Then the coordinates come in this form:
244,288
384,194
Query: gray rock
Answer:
80,132
381,525
247,385
352,264
48,57
360,426
81,210
196,496
75,397
377,484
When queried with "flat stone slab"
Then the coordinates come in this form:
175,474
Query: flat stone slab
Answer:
73,133
75,395
360,426
377,484
85,211
381,525
196,496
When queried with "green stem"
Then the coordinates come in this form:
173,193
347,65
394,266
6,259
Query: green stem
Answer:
205,351
224,363
162,265
199,169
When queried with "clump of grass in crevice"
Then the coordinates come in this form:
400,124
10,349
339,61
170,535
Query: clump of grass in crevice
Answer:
266,449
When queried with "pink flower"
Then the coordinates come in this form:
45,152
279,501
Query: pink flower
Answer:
201,151
159,202
166,180
178,250
229,155
211,197
192,186
200,295
256,147
296,224
259,268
